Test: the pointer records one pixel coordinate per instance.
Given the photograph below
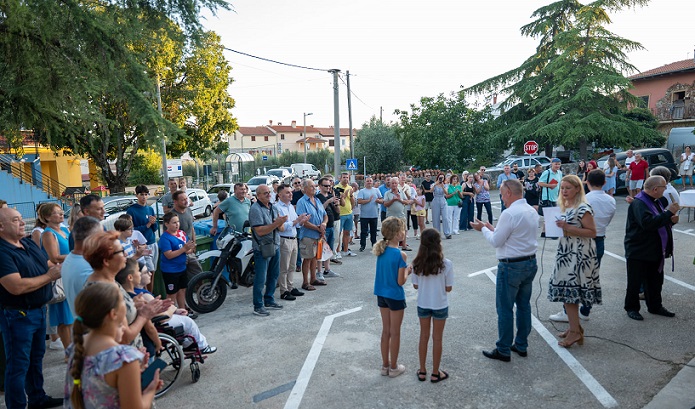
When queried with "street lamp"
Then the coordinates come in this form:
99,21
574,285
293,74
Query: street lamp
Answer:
305,115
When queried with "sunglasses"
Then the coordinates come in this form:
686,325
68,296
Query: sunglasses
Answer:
297,183
116,252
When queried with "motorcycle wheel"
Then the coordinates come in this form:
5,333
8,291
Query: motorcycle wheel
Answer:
202,297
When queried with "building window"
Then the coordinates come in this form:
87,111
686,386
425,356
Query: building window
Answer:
342,142
282,136
331,142
265,138
253,139
235,137
644,101
678,105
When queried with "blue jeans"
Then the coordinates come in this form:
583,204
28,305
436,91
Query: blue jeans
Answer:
267,273
467,215
600,249
329,238
24,338
514,286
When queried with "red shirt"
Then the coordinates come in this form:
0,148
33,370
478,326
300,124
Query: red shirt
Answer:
638,169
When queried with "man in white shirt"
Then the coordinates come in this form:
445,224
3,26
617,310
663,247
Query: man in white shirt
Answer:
629,159
288,242
515,241
603,205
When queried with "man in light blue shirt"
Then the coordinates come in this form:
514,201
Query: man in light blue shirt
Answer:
369,200
311,231
75,268
505,175
288,242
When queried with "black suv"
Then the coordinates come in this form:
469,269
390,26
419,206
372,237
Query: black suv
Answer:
654,157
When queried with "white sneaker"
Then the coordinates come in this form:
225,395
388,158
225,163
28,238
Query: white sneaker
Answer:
330,273
349,253
559,317
583,317
456,233
319,277
56,345
337,255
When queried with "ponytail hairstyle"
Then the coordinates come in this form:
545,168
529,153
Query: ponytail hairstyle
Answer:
390,229
429,259
92,305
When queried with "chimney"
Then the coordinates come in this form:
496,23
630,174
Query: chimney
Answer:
270,122
294,124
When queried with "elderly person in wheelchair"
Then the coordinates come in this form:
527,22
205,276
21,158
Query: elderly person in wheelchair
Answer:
134,280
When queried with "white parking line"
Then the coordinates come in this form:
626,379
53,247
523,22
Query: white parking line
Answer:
579,371
689,232
300,386
667,277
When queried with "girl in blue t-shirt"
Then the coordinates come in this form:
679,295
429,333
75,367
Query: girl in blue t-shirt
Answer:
433,278
391,273
173,246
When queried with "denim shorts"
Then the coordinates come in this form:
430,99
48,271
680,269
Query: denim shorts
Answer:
436,314
346,222
390,303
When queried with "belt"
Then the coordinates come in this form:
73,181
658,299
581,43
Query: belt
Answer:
600,237
288,238
517,259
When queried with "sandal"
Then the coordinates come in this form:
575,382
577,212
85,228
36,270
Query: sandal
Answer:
422,376
439,377
317,282
308,287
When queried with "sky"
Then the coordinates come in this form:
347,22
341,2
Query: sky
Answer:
399,51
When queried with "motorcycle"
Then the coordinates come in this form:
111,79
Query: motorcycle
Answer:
206,291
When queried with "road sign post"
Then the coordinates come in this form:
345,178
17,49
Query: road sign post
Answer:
351,164
530,148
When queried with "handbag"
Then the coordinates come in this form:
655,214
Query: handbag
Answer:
268,248
326,252
57,292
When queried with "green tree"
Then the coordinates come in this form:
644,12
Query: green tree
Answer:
146,169
572,91
444,132
195,97
71,73
380,144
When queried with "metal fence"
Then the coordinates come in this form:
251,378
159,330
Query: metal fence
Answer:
28,211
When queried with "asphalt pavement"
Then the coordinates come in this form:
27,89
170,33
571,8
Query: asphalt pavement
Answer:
322,350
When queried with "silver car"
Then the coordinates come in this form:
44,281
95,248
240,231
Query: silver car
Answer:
256,181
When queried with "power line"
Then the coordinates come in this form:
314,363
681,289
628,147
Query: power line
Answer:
353,94
276,62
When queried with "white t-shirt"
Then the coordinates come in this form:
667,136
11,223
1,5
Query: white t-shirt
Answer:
604,210
671,194
628,161
431,291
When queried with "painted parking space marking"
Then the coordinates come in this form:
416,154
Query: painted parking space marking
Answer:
302,382
667,277
689,232
579,371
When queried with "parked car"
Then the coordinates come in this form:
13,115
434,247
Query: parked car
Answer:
284,175
213,191
198,197
114,206
306,170
256,181
524,162
654,157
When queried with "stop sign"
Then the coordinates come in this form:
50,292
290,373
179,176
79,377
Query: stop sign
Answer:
530,148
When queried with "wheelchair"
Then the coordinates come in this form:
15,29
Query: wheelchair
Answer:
175,355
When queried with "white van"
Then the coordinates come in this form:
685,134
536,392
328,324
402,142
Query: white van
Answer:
306,170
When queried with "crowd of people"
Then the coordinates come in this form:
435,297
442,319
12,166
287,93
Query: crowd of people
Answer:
104,320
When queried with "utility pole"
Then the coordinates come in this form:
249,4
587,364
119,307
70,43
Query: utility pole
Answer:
164,141
352,152
336,124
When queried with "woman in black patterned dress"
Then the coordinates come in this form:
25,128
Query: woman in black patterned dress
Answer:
575,277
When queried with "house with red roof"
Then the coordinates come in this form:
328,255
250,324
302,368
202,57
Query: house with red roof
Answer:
669,93
271,138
